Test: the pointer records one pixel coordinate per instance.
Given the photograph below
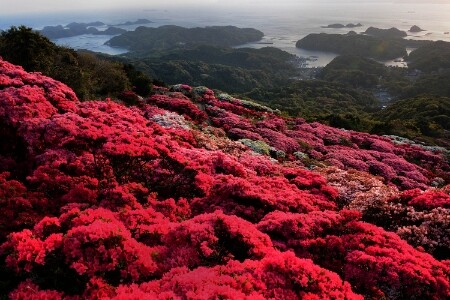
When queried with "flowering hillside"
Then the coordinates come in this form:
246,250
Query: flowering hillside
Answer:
192,195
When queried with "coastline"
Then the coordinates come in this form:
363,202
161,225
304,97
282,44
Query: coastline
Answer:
282,29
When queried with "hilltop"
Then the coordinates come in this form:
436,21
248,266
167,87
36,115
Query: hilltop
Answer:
191,193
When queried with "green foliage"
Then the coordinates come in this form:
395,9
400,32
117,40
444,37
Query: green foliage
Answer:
422,107
257,146
354,70
433,84
21,45
317,100
417,118
216,76
267,58
101,77
356,78
142,84
345,100
231,70
171,36
431,57
300,97
363,73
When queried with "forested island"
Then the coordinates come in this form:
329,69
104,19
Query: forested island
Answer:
171,36
380,44
355,44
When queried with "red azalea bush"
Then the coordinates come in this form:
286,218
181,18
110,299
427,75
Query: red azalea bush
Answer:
406,166
96,243
180,104
252,198
30,95
212,239
227,120
426,200
101,201
20,208
279,276
279,140
421,218
376,262
29,290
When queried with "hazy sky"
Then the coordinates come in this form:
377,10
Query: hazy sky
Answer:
26,6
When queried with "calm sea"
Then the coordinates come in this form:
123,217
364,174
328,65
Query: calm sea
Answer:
282,26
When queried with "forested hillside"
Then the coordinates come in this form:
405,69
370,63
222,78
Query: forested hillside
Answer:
89,76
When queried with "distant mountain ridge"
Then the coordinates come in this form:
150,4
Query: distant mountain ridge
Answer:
339,25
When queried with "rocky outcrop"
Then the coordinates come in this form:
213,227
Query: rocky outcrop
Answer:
415,28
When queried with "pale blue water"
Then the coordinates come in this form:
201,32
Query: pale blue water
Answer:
282,27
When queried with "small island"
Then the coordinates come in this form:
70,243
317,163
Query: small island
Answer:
138,22
338,25
390,33
415,28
